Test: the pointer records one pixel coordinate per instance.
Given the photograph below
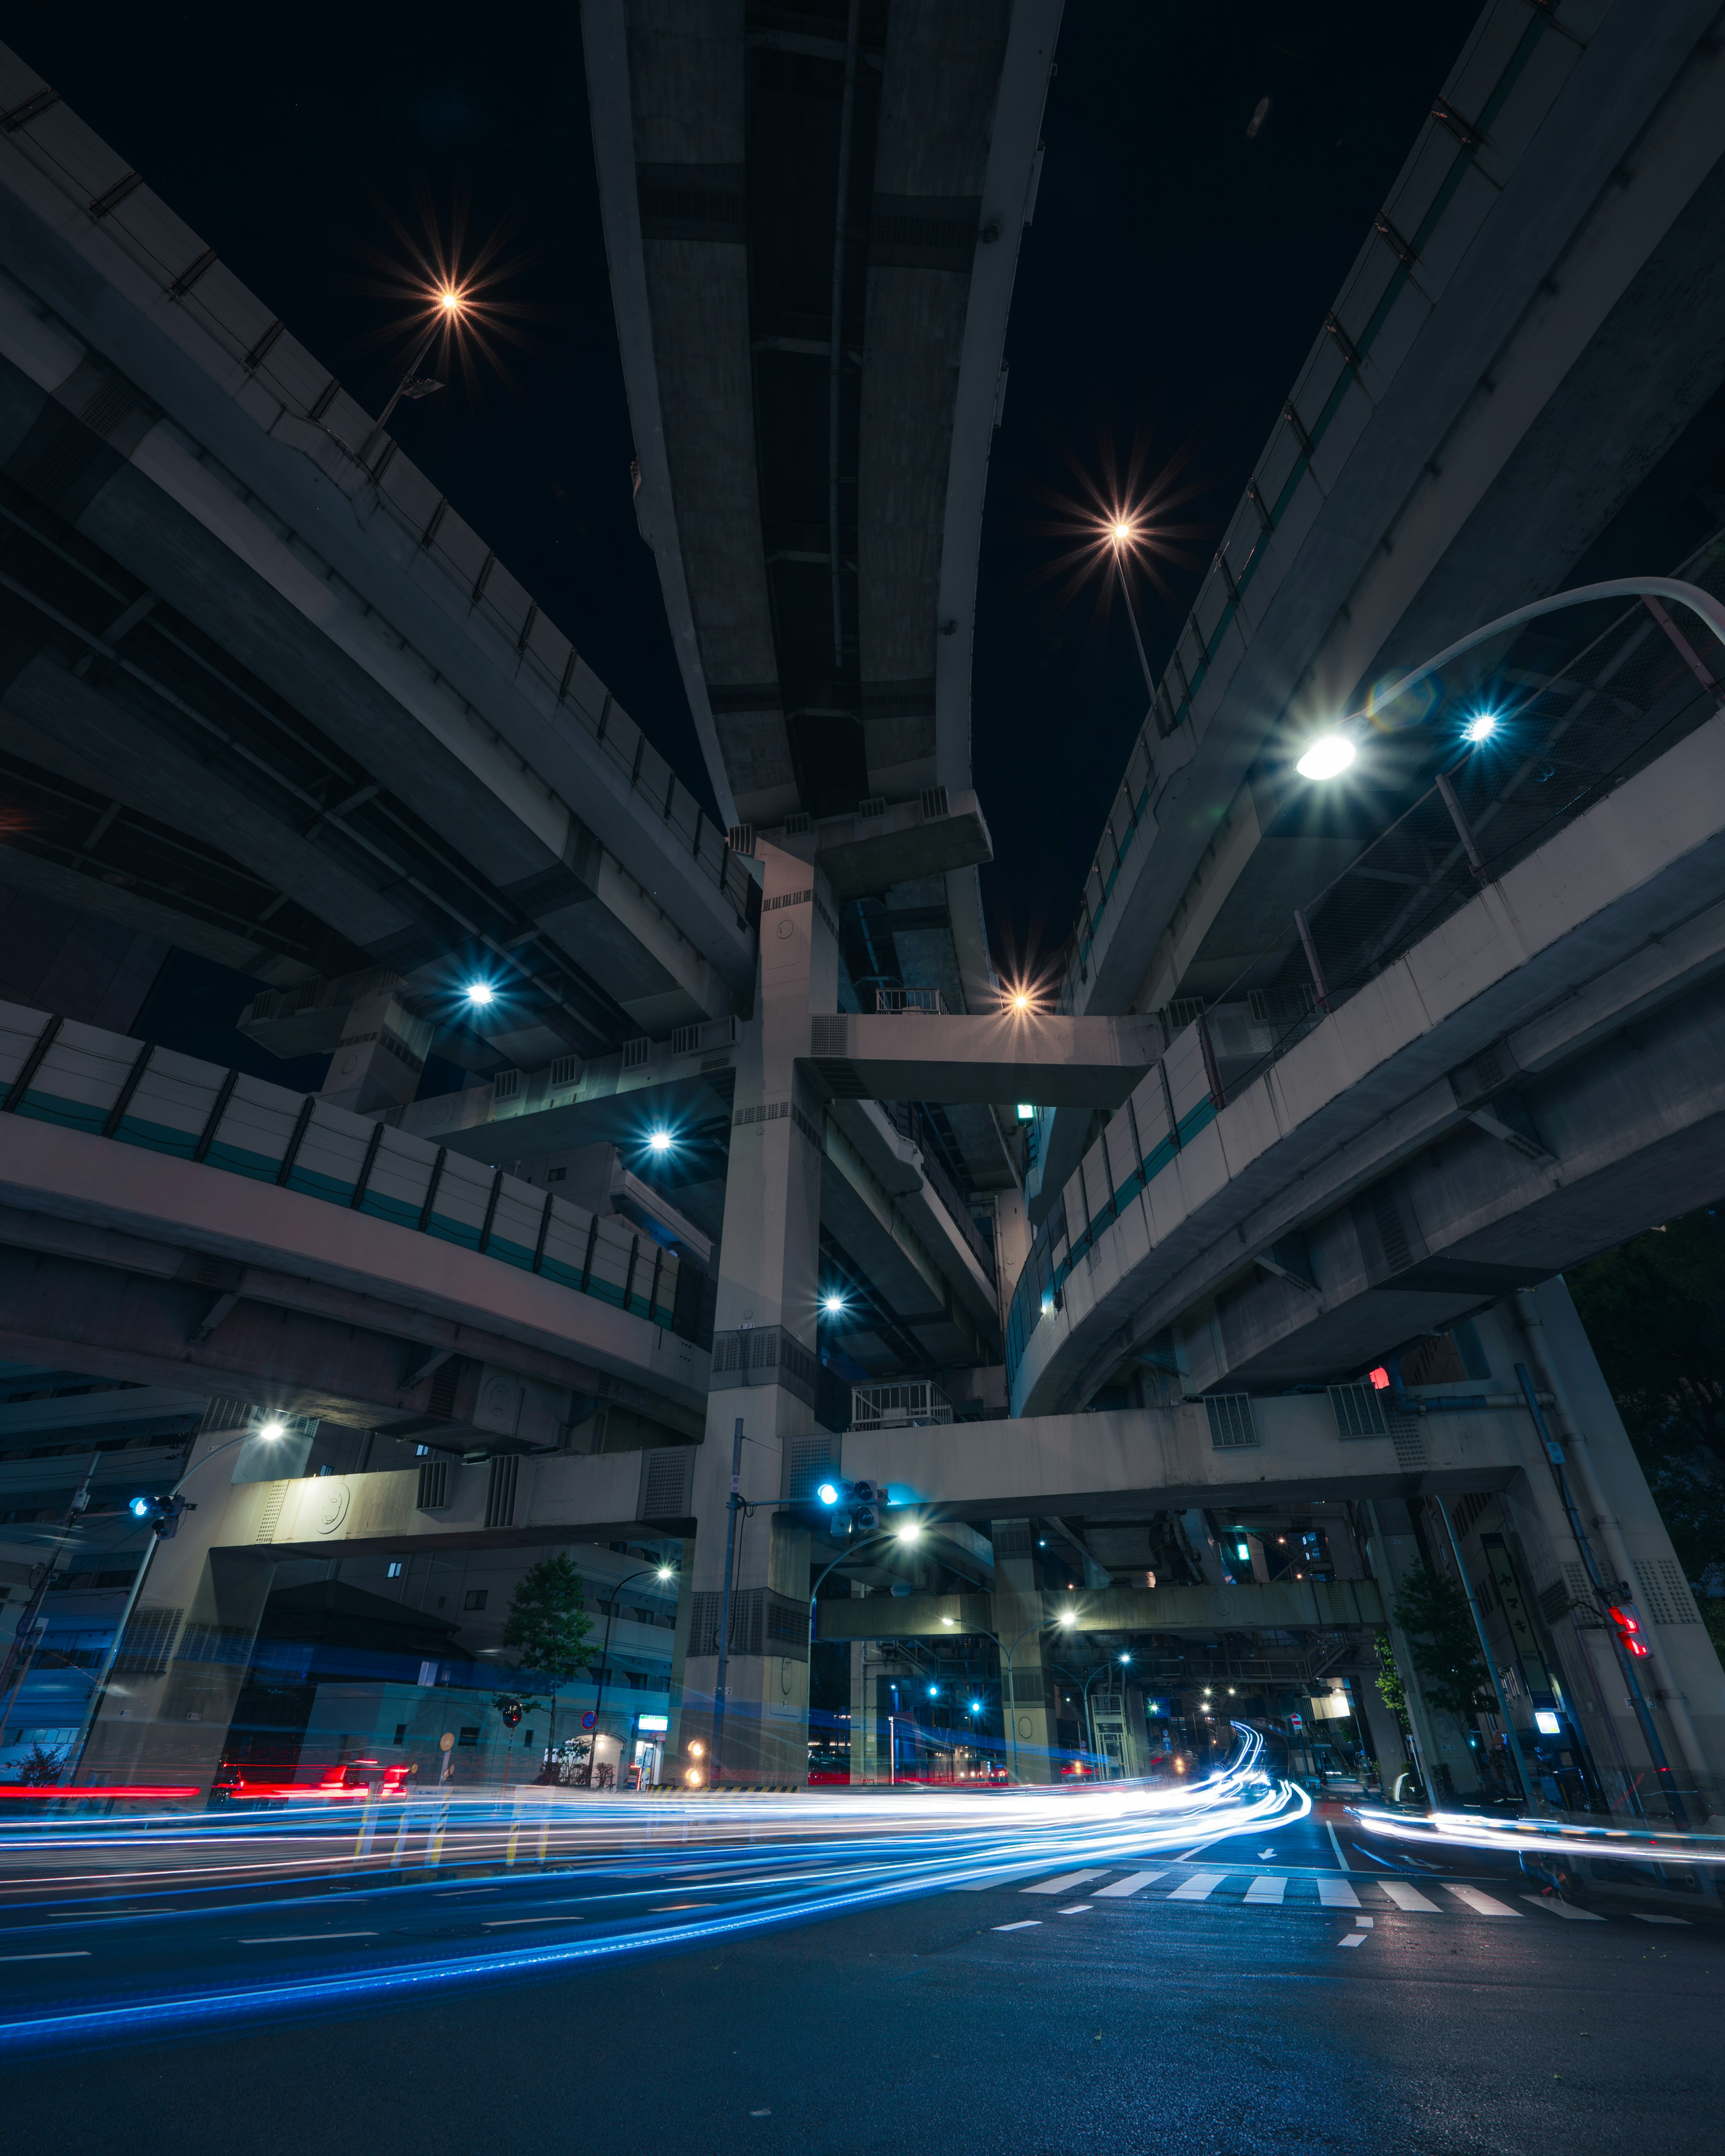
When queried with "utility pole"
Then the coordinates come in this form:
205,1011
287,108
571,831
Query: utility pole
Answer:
21,1652
733,1508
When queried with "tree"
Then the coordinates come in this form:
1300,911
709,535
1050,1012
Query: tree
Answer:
42,1768
1390,1679
547,1626
1432,1610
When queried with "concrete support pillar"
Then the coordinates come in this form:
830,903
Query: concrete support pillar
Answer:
380,1057
1381,1730
1026,1680
764,1363
1682,1677
676,1764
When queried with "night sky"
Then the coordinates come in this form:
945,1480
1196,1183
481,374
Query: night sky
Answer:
1174,277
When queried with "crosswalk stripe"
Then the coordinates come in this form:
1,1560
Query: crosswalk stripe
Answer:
1641,1916
1558,1908
1064,1883
1405,1896
1199,1888
1337,1894
1353,1939
1484,1903
1133,1883
1267,1889
1023,1924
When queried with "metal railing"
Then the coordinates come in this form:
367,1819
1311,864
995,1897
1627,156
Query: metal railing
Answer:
1644,665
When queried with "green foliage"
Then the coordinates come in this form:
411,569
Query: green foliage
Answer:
1432,1610
42,1768
547,1625
1390,1678
1655,1311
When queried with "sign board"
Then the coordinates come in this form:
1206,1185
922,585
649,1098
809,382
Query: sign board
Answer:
446,1742
653,1724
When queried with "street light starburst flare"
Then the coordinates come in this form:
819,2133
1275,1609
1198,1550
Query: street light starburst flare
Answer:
1118,528
446,300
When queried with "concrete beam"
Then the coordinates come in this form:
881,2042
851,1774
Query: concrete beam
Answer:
1281,1605
1006,1056
1124,1463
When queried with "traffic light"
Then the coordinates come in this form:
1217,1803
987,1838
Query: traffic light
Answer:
848,1507
1628,1629
163,1513
865,1505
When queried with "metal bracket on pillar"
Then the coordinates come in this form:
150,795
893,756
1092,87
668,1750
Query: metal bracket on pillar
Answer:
367,1165
213,1316
422,1370
134,1079
298,1139
1212,1070
33,1063
1167,1102
1464,829
1692,658
1320,987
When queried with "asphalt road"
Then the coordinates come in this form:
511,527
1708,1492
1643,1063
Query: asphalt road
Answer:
1251,1994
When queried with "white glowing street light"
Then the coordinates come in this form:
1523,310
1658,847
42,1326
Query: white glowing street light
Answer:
660,1142
480,994
1327,758
834,1305
1480,727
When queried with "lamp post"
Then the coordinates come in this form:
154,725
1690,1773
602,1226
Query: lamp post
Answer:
909,1533
659,1572
1121,534
450,304
272,1431
1009,1706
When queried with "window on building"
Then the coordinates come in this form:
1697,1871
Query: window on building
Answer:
470,1735
555,1174
529,1741
475,1598
397,1566
401,1733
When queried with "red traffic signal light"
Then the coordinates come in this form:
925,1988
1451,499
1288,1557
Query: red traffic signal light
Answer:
1628,1630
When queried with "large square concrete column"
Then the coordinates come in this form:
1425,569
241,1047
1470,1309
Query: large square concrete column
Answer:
380,1057
1026,1693
764,1361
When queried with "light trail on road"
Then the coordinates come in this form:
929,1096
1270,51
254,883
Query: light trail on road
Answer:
754,1862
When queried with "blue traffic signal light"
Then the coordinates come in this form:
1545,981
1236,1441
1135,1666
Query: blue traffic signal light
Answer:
163,1513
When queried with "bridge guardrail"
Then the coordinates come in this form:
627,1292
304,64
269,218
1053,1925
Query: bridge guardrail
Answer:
83,1078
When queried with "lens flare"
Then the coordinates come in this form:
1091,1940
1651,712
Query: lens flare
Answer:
1329,755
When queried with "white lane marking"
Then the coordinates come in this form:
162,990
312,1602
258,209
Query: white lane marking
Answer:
1077,1909
66,1953
1336,1893
1363,1923
1065,1883
1134,1882
1009,1878
1370,1859
1405,1896
1199,1848
1353,1939
497,1924
1267,1889
1341,1860
1483,1904
1557,1908
304,1938
1641,1916
1198,1887
1023,1924
1263,1853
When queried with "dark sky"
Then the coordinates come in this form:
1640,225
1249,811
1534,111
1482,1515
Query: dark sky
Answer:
1174,277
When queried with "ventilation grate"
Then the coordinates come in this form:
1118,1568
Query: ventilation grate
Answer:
500,1495
1665,1592
1360,1412
1231,1424
666,1476
434,1485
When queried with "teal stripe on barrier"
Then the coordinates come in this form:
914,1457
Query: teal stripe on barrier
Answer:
309,1182
69,1115
237,1161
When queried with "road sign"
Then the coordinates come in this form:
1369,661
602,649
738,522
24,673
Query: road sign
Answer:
589,1720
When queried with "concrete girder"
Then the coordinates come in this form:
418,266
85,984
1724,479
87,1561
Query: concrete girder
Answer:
322,1259
1007,1056
366,561
1118,1463
247,1332
1562,939
1281,1605
887,1174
